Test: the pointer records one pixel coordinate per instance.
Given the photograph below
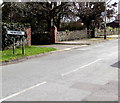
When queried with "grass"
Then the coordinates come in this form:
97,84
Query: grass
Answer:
31,50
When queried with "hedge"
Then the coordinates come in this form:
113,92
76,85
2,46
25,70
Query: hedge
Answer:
71,26
8,41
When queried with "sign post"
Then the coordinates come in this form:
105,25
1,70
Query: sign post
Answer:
17,33
22,46
14,46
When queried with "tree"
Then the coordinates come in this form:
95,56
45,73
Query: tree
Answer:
42,15
38,14
111,10
89,13
60,11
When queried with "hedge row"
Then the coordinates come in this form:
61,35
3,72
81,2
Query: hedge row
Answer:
7,40
71,26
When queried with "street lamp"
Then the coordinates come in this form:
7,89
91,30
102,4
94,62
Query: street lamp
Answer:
105,22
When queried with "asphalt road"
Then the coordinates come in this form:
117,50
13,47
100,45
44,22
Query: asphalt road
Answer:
87,73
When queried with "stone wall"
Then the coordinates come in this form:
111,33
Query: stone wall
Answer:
71,35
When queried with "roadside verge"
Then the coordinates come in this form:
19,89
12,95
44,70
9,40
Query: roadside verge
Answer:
60,46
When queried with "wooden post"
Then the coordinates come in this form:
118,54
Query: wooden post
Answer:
22,46
14,46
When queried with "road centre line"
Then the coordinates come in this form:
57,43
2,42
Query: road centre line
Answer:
75,47
67,73
84,45
84,49
20,92
68,49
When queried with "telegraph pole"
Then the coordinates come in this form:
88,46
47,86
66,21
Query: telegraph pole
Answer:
105,22
105,34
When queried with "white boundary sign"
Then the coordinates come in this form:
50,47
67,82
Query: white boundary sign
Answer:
16,32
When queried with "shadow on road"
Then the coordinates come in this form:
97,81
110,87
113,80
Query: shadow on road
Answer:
117,64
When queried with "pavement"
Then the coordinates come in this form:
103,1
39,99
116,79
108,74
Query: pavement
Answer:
64,45
87,73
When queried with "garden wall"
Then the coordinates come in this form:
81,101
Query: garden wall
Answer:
108,32
71,35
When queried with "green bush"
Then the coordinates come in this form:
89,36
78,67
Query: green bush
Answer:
72,26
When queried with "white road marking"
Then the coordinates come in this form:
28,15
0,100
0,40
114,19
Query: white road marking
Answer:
79,46
68,49
80,67
75,47
84,49
83,45
20,92
96,46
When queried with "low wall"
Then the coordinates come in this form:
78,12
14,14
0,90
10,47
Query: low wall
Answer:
108,32
71,35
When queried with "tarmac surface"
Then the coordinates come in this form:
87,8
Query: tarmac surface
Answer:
84,73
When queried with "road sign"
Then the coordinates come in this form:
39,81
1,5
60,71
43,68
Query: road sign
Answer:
16,32
104,13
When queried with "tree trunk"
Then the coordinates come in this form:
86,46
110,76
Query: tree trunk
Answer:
88,31
58,23
93,33
49,24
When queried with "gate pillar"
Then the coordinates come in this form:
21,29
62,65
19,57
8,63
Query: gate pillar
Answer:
53,33
28,33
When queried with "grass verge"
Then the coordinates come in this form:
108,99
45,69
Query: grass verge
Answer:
29,50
